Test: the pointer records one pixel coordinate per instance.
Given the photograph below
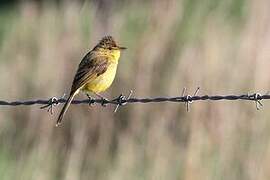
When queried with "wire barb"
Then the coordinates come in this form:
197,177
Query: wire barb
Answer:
51,103
257,99
188,98
122,100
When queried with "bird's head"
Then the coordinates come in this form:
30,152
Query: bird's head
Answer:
108,46
108,43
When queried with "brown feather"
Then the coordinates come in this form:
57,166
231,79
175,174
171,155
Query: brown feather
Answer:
88,69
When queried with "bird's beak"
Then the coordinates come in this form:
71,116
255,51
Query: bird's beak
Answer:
122,48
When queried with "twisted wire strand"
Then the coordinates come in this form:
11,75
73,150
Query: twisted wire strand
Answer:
122,100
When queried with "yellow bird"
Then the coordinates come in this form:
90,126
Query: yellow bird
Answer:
96,71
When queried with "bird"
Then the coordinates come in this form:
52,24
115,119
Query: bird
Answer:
95,72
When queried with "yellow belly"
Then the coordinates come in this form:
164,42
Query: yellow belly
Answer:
102,82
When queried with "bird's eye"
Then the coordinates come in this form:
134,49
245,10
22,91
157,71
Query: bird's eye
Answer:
110,48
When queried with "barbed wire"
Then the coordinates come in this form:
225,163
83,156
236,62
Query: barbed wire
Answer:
122,100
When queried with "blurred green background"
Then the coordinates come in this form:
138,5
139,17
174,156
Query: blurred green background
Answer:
220,46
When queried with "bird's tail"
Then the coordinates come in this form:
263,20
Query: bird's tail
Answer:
64,109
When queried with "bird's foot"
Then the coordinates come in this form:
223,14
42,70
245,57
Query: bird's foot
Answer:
91,100
104,100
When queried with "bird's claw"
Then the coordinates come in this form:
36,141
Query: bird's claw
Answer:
104,101
91,100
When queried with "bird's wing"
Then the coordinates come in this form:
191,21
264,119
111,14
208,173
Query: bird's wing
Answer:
89,68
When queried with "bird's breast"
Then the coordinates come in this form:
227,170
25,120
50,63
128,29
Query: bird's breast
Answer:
103,81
